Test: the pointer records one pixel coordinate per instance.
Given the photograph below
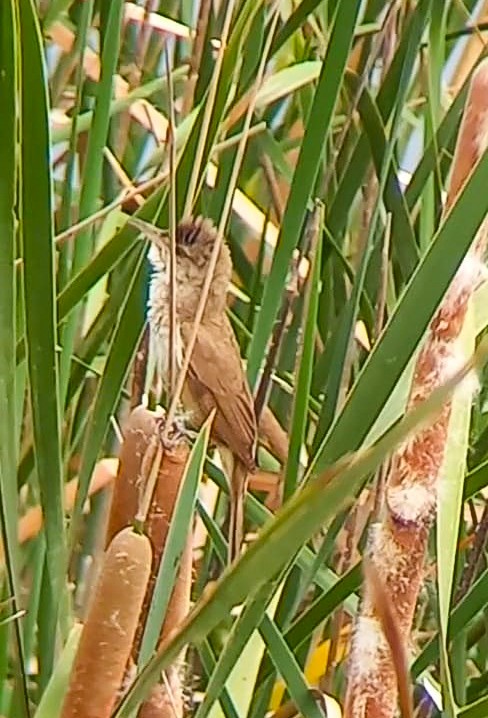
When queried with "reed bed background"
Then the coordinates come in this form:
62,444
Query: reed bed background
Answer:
327,137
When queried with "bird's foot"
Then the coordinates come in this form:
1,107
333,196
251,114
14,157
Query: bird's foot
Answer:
175,434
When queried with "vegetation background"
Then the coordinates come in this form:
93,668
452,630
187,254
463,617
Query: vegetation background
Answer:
321,134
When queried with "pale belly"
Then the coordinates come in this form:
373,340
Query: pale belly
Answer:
158,315
160,347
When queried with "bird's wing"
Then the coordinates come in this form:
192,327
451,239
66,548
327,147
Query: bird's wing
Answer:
216,379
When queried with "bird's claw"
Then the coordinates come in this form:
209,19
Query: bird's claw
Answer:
172,436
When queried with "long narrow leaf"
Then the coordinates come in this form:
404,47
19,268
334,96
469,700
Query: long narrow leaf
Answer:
305,175
39,296
175,543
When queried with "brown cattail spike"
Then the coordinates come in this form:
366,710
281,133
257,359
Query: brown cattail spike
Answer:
109,630
398,542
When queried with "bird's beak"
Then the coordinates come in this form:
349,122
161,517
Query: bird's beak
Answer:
159,236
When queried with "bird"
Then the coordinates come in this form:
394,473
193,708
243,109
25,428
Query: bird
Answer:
216,379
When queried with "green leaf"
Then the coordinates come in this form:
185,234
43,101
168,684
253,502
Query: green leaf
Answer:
289,669
342,592
123,345
450,502
402,65
238,663
304,177
473,602
402,334
479,709
53,697
39,302
286,81
305,363
92,176
175,543
9,189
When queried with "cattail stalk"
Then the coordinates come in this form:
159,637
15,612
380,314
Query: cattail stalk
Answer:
398,541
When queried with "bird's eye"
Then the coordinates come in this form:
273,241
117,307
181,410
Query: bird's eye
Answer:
188,234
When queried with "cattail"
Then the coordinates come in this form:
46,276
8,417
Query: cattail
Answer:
141,438
140,430
158,522
109,630
166,699
398,541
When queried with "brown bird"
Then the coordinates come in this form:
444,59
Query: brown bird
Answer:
215,379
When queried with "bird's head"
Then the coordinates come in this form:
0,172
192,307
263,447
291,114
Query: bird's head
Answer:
195,240
194,243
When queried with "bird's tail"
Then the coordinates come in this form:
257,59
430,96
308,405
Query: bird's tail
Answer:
238,488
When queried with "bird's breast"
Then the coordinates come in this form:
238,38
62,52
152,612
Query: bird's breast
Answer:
159,324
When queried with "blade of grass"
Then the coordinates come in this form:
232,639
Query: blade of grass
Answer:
92,176
403,63
305,362
435,57
123,345
175,543
239,659
99,129
10,56
209,661
52,700
201,143
472,603
402,335
384,174
66,251
479,709
403,235
293,23
312,618
289,669
121,104
114,251
445,137
100,331
449,509
324,577
55,9
40,316
304,177
215,535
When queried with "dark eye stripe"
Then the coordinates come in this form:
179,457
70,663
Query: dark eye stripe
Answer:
192,235
188,234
